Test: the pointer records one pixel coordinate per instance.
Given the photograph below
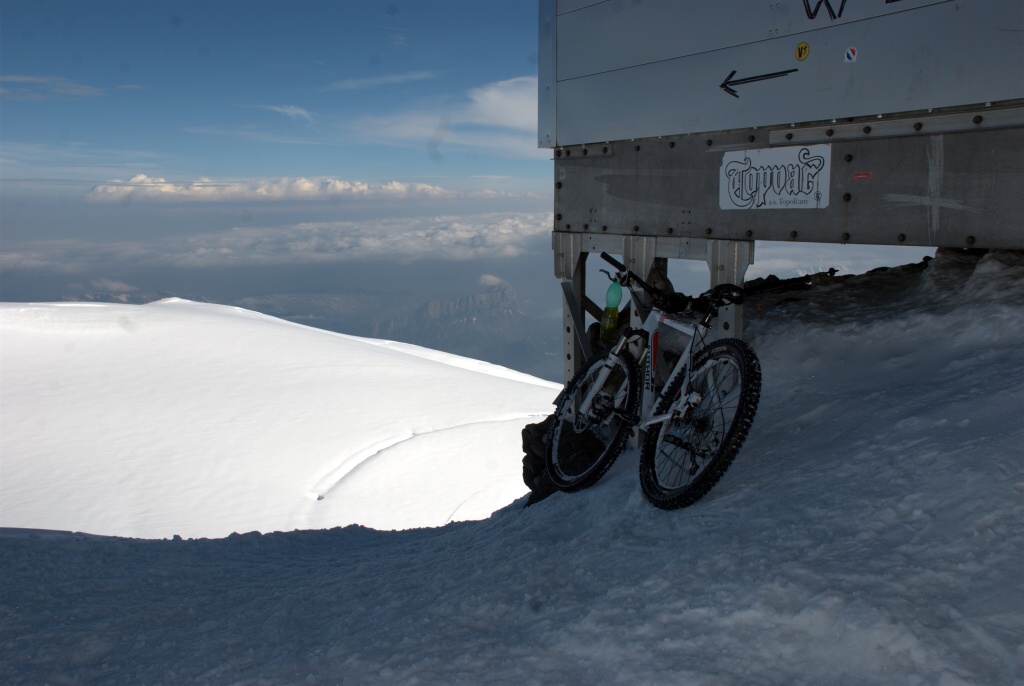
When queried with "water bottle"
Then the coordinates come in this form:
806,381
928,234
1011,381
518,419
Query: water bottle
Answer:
610,318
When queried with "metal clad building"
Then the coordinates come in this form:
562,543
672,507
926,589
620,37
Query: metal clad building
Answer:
624,69
688,129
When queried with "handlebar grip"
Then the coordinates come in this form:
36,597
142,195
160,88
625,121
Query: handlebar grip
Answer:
613,262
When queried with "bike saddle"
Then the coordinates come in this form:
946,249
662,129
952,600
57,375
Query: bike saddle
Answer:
677,303
728,294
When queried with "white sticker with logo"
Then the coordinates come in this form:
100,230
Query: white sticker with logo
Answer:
791,178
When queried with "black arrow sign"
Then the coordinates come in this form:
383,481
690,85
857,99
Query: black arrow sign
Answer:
729,82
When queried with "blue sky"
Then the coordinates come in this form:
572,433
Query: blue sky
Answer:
440,93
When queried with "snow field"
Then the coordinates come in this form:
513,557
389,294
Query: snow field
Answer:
870,532
180,418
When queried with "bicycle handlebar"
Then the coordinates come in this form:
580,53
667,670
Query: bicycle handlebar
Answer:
613,262
722,294
654,292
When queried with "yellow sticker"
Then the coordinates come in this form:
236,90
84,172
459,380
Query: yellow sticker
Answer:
802,51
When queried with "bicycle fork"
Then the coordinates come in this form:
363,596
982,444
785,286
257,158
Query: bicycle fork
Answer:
599,383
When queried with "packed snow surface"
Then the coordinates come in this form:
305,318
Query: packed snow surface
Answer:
182,418
871,530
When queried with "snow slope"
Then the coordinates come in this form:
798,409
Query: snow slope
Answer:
182,418
871,531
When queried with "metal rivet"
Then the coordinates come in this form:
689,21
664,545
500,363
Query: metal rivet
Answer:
672,144
568,226
847,197
751,138
978,119
918,126
670,229
867,129
558,153
848,158
604,228
637,148
725,326
605,150
829,133
568,152
558,184
585,151
846,237
902,237
558,217
708,142
792,234
708,231
636,229
586,227
789,136
970,240
750,234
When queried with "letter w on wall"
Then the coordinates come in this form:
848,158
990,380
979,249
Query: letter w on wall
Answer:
812,14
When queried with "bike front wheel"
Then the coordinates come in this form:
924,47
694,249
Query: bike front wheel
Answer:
593,421
685,456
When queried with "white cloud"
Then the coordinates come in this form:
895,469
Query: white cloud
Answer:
142,188
20,87
499,118
490,280
442,237
376,81
509,104
289,111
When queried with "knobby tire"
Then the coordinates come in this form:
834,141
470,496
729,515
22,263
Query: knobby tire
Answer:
582,449
684,457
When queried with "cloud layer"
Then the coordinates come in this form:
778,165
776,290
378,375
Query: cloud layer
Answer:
489,235
145,188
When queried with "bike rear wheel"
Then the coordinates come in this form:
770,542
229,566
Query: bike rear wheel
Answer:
584,445
685,456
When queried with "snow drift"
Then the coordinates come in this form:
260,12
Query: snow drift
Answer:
182,418
870,531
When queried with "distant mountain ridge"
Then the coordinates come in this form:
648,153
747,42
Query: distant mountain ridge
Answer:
129,297
468,321
486,326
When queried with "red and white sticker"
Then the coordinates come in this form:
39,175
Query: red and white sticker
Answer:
851,55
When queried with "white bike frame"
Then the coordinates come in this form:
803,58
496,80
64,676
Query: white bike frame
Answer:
655,322
648,359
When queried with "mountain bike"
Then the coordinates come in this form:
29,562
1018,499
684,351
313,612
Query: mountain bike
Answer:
695,407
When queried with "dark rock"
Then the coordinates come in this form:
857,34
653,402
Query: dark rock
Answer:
535,473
